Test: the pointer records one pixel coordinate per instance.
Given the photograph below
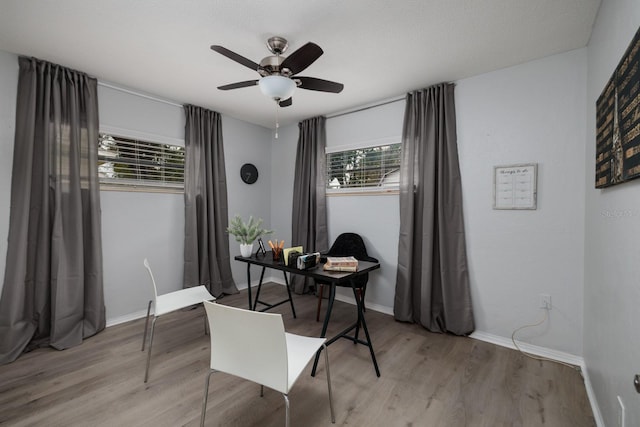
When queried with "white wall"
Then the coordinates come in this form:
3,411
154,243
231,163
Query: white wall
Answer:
8,91
531,113
283,160
612,230
137,226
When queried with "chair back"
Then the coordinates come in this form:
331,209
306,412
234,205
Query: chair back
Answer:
248,344
153,282
350,244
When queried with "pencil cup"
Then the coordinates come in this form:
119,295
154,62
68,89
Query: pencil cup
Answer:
276,253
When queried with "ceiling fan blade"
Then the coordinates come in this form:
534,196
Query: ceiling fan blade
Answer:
300,59
286,103
238,85
235,57
312,83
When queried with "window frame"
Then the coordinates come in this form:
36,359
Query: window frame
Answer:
107,184
362,191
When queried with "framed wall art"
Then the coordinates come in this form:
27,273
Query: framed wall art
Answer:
618,122
514,186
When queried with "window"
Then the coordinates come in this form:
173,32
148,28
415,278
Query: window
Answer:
125,163
369,169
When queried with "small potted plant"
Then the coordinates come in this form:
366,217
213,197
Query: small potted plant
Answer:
246,233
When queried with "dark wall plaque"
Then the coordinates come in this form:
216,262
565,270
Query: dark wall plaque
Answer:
618,122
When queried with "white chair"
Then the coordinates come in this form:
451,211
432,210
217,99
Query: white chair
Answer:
254,346
172,301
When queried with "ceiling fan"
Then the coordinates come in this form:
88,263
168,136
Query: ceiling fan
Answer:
279,74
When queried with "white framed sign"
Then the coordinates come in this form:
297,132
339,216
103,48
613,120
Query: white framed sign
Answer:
514,186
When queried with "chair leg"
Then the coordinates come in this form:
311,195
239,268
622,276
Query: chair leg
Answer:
286,405
326,363
357,295
261,390
153,326
146,325
206,323
320,293
363,291
206,396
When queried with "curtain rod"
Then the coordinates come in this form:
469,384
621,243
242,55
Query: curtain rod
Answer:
132,92
367,107
380,104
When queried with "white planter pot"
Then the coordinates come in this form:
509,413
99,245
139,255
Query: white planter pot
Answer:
246,250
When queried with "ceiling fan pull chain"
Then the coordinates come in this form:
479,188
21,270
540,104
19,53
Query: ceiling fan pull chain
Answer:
277,124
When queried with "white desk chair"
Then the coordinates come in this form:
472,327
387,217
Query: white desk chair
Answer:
254,346
172,301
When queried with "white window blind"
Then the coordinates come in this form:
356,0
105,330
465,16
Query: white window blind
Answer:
131,163
364,169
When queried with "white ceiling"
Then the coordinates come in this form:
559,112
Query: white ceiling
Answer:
379,49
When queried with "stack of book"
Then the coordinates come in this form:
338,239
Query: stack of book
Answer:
345,263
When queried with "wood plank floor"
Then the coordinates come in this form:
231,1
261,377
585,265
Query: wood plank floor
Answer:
427,380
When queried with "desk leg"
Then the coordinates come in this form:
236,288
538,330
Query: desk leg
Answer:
286,281
255,303
363,322
249,283
332,297
356,296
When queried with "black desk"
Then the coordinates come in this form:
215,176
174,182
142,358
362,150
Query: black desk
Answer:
336,278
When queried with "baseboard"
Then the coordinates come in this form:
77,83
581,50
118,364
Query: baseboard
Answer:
592,396
126,318
529,348
549,354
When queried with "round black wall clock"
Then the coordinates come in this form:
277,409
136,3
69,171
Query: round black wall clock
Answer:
249,173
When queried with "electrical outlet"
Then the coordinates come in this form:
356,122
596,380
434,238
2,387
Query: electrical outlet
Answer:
545,301
620,412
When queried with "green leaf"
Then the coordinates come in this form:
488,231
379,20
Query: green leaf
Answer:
246,233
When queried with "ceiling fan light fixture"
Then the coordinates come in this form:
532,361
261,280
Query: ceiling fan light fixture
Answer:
278,88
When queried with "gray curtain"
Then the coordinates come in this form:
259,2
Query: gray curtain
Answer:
206,243
309,218
53,289
432,286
